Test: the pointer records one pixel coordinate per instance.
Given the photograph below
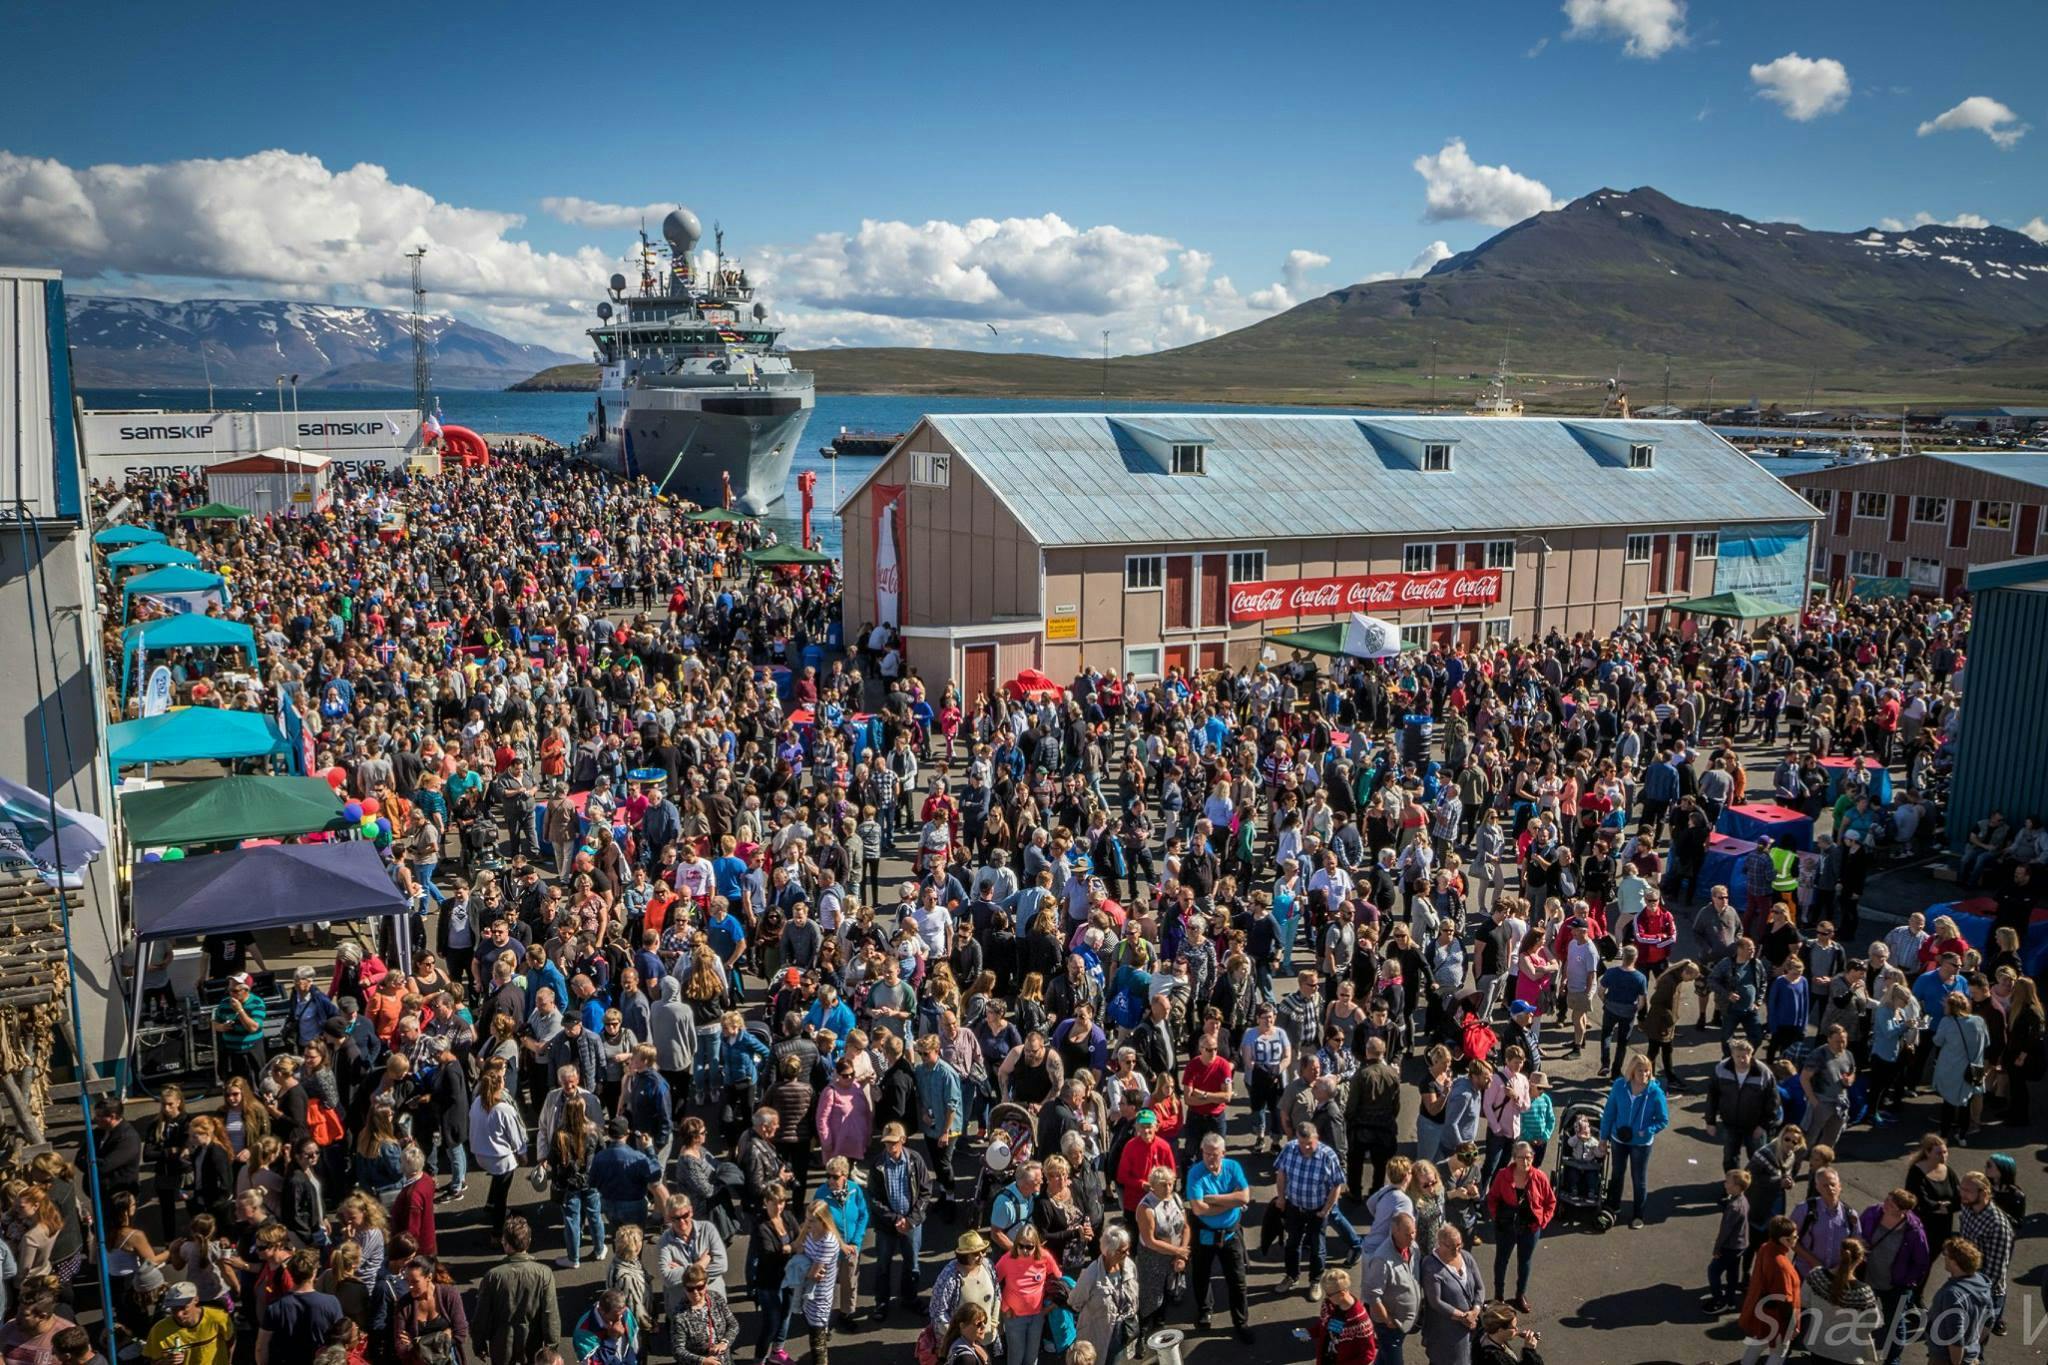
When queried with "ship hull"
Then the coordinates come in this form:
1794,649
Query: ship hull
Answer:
688,453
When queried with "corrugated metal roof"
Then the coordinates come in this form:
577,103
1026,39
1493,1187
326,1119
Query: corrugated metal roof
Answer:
2028,466
2009,573
1070,482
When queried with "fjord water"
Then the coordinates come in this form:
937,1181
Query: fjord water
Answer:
561,417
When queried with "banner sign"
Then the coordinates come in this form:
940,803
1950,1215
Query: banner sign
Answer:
888,532
156,698
1364,593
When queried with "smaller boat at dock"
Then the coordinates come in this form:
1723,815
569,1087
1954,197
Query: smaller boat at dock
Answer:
860,444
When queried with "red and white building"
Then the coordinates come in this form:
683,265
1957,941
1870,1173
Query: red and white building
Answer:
1145,543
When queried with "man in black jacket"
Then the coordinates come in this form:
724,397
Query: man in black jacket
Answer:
899,1191
1372,1113
305,1205
120,1150
1743,1105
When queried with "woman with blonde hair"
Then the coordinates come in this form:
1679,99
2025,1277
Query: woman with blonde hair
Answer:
242,1117
2023,1059
212,1188
497,1140
33,1220
820,1282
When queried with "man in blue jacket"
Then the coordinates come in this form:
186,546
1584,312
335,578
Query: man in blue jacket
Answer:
622,1172
1660,789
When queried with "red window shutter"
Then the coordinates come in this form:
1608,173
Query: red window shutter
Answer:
1895,568
1180,596
1475,554
1683,578
2029,526
1446,555
1845,504
1215,589
1959,525
1660,564
1901,505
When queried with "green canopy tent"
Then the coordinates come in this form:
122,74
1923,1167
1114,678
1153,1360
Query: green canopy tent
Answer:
217,511
127,535
182,632
1736,605
179,584
153,555
778,555
229,809
195,732
718,516
1314,640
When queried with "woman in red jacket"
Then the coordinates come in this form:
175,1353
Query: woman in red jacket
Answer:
1522,1204
412,1210
1770,1310
1342,1333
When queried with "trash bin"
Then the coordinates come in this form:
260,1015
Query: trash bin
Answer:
1416,734
814,657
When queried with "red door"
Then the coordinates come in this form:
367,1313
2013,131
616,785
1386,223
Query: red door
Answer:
1895,568
2029,524
1838,569
1682,580
1211,655
1901,504
1952,582
978,669
1215,589
1475,554
1180,595
1959,525
1177,658
1468,634
1660,563
1440,636
1446,556
1845,503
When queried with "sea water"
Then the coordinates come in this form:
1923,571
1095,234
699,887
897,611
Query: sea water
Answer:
562,417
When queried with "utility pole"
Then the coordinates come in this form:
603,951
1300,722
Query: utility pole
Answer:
419,333
1432,376
1667,379
1710,396
1105,362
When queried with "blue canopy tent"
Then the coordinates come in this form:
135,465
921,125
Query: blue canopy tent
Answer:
182,632
154,555
180,587
127,535
195,732
245,889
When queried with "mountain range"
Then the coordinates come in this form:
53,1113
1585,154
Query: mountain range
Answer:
1614,282
247,343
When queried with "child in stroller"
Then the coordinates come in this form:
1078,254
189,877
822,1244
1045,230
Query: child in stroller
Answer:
1580,1166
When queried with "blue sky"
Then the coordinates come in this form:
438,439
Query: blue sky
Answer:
1147,168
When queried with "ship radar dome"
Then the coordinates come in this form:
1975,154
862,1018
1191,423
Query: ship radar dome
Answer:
681,230
760,312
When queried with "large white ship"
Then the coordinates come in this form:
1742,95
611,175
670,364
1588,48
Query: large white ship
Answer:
693,391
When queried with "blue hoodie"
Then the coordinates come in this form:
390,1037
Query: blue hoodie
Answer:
1645,1115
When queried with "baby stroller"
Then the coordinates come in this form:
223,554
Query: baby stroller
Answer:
1578,1182
1011,1135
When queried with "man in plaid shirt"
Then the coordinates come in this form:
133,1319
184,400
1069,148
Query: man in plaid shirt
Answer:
1307,1178
1301,1014
1984,1224
881,794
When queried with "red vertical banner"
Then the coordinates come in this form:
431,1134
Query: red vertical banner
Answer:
888,507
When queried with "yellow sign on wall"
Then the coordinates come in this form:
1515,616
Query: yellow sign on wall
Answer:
1063,627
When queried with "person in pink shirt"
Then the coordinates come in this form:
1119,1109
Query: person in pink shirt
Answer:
845,1119
1022,1275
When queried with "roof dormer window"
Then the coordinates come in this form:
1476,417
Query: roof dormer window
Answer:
1187,459
1640,455
1436,458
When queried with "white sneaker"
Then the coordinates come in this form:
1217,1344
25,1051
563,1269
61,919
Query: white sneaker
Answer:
602,1252
564,1263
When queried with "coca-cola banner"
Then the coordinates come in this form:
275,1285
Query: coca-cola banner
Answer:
1364,592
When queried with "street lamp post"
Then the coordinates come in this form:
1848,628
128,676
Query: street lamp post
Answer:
1542,572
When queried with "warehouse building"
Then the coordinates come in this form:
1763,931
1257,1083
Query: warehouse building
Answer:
2004,728
1921,523
1146,543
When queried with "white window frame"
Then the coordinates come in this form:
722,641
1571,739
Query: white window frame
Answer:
1923,572
1497,628
1247,566
1859,558
1630,554
1706,545
931,468
1499,554
1415,637
1941,514
1157,566
1642,456
1189,457
1135,672
1980,522
1883,502
1436,457
1426,548
1823,499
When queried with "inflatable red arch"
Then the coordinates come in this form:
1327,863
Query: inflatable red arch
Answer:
467,444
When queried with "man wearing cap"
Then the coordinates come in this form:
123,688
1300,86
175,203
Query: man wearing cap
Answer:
190,1333
899,1189
238,1031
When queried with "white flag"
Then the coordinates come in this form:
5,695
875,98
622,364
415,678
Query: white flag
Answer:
156,697
1368,637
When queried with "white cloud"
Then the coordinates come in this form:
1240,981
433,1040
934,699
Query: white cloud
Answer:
1048,284
1537,49
591,214
1425,259
1651,27
1458,187
2037,228
1980,114
1926,219
283,225
1804,87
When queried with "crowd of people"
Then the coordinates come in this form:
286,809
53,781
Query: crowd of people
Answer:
768,986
